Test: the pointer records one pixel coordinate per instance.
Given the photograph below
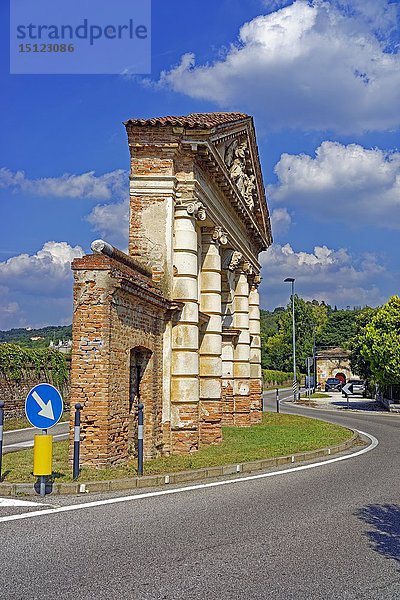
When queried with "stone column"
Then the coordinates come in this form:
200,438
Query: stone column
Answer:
255,352
185,332
241,364
211,339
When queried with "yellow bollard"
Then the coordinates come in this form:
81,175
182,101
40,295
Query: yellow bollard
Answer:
42,455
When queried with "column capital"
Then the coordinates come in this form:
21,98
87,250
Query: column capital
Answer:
216,234
254,280
194,209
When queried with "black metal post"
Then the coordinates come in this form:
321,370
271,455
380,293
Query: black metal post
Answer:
140,438
1,434
277,400
77,439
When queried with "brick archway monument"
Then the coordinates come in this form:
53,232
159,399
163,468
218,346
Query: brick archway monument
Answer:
180,311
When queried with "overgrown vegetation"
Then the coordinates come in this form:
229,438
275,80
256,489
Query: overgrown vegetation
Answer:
277,435
16,363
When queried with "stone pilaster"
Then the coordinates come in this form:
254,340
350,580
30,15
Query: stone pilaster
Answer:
228,338
255,352
211,338
241,357
185,331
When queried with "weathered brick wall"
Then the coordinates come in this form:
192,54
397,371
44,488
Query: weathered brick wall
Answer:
117,309
255,401
13,392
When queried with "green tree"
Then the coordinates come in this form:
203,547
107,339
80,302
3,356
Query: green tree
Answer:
278,350
339,329
358,363
380,343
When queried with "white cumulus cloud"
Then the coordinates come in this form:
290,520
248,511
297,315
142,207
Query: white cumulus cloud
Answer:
350,184
281,221
334,276
37,289
322,65
112,222
84,185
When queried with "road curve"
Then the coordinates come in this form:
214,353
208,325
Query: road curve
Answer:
23,438
325,533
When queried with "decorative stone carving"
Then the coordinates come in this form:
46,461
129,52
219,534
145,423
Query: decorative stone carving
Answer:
235,260
235,160
247,268
219,235
197,210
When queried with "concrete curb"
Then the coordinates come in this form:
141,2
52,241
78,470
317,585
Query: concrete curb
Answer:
62,489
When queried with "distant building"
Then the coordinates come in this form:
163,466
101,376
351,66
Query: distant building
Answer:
63,346
333,362
36,338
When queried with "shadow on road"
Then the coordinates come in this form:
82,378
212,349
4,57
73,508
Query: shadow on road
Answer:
385,519
361,405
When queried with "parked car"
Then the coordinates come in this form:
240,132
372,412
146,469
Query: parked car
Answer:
333,384
359,387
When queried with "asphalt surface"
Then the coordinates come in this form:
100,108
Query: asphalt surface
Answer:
23,438
329,532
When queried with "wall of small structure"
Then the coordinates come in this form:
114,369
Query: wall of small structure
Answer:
118,328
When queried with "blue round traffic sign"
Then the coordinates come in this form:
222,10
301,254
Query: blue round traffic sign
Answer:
43,406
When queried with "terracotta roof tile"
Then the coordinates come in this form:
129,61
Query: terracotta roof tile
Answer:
206,120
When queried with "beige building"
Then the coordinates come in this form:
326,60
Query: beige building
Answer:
333,362
175,322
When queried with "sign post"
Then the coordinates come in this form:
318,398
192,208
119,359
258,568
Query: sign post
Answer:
348,389
43,409
77,440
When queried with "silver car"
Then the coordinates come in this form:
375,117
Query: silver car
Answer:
359,387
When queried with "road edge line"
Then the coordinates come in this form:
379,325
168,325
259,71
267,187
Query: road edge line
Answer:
374,443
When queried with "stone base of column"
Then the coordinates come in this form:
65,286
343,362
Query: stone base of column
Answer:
210,422
184,441
184,427
255,401
241,407
227,403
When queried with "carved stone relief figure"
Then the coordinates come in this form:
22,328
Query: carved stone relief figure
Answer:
235,160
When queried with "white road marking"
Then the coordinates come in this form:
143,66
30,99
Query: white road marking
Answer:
189,488
15,502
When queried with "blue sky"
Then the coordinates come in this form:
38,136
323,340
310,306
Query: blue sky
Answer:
322,80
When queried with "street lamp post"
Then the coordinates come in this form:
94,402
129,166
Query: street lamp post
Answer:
314,326
292,280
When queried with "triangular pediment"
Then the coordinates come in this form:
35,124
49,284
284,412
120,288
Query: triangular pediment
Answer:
237,151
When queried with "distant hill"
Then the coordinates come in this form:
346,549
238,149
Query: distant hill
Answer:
44,335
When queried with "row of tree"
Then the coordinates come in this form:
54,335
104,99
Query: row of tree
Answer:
372,335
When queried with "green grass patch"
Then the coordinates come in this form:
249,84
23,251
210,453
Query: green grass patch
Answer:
277,435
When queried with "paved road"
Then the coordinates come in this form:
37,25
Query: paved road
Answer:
330,532
23,438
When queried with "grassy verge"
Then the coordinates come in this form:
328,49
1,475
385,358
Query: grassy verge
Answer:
277,435
22,423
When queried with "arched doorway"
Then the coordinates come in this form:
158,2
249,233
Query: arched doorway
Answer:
139,359
342,377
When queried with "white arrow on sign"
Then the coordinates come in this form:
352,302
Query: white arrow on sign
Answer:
347,389
46,409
